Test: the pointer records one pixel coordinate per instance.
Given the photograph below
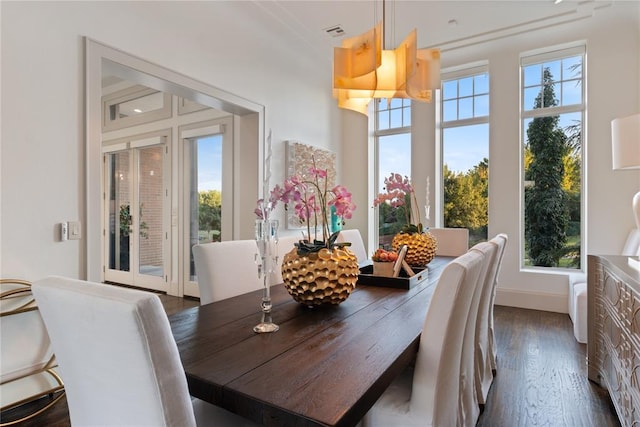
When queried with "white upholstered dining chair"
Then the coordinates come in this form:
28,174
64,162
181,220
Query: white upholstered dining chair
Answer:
451,241
226,269
482,366
428,394
118,358
501,240
469,410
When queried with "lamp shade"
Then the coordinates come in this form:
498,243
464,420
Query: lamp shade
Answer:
625,142
363,70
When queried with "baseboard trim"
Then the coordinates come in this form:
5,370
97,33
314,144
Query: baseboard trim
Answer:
532,300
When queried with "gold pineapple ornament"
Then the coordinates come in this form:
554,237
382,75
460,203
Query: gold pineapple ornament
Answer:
422,247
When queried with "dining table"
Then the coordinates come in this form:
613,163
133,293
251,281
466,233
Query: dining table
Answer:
325,366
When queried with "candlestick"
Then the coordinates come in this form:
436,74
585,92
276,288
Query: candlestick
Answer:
266,235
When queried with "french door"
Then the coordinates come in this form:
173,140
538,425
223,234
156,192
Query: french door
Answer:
136,212
207,152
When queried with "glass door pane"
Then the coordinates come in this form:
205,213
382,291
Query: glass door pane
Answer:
205,192
150,213
118,203
138,223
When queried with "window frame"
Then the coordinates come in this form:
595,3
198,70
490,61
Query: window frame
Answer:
131,94
377,134
458,73
540,56
449,74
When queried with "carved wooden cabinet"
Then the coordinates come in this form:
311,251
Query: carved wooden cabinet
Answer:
614,332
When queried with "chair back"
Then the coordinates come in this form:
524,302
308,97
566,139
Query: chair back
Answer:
226,269
357,244
284,246
451,241
483,372
435,390
116,353
469,409
501,241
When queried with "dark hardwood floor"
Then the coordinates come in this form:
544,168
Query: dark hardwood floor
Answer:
541,378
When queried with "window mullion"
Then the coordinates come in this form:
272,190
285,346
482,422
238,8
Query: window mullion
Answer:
552,111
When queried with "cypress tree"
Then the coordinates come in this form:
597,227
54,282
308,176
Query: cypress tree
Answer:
546,216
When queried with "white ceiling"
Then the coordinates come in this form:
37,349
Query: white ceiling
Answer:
446,24
439,23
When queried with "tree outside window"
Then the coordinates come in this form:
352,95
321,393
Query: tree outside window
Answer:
552,128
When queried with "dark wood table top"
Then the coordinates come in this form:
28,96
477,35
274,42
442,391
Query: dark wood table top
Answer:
325,366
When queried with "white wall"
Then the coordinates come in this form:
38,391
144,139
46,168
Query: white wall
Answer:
224,44
612,37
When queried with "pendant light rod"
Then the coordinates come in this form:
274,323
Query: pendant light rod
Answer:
384,20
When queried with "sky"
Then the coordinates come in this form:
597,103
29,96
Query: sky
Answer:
210,163
463,148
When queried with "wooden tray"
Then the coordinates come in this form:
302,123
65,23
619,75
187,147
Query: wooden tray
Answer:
366,277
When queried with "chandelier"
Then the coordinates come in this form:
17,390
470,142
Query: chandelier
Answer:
364,70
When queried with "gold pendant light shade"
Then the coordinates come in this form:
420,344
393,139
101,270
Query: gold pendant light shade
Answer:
363,70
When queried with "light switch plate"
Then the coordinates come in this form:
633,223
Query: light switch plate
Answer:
75,231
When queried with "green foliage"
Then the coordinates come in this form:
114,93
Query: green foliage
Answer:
210,211
546,208
393,220
125,222
466,203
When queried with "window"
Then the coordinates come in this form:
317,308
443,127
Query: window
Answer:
394,114
552,112
133,106
465,150
393,151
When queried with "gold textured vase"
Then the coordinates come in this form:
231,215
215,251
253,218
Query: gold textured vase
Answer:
421,247
320,278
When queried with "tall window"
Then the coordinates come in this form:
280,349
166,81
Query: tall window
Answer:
393,142
552,111
465,151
